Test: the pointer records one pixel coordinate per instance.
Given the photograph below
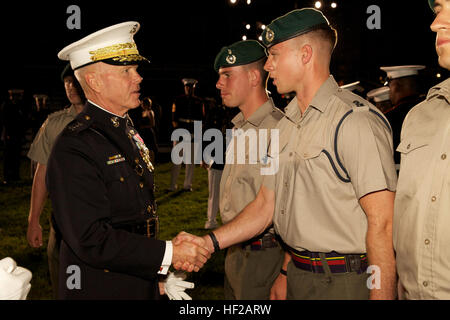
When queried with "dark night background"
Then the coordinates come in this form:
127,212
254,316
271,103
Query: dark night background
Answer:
181,38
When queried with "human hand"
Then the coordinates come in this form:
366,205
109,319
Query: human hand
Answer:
174,285
189,253
34,234
279,288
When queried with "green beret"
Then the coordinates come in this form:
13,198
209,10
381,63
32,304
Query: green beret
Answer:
66,72
239,53
293,24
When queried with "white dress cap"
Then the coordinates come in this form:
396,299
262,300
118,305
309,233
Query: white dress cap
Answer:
379,94
112,45
402,71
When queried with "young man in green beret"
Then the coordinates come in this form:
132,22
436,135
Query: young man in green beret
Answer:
252,266
40,151
422,202
332,198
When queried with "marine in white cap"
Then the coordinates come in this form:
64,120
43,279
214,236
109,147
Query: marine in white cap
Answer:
405,93
186,109
380,98
422,202
100,180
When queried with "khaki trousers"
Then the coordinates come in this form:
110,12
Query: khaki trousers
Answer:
249,275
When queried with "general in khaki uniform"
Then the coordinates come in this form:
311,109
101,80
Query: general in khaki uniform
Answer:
250,267
422,203
336,152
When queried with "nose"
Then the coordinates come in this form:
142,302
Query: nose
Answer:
137,78
268,65
442,20
219,83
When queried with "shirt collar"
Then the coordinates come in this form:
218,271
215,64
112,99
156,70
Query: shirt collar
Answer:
257,117
322,96
319,102
94,104
441,89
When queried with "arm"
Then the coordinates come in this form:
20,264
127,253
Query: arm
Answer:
253,220
279,287
379,208
38,198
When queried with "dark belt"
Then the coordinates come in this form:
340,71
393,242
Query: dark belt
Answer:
338,263
148,228
268,240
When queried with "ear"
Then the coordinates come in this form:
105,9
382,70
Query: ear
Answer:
93,81
306,53
254,77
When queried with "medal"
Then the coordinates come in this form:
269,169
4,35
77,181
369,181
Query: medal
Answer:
145,153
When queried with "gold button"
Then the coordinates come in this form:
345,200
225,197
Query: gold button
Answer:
106,270
427,242
444,156
122,179
87,117
425,283
433,198
141,184
408,146
290,154
299,126
282,211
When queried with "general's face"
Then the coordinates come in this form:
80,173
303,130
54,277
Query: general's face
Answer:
441,25
121,86
73,90
234,85
283,67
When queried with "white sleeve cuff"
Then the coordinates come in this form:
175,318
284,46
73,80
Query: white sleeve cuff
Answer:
167,260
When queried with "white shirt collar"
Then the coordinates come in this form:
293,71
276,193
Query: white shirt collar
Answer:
123,117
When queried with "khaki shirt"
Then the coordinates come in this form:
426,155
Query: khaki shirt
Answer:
43,142
315,209
422,203
241,180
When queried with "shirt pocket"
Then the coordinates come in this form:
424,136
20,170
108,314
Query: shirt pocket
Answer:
413,165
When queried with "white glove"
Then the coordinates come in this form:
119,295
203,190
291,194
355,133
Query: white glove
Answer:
174,286
14,280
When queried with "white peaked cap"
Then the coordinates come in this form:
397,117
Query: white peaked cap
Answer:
402,71
379,94
112,45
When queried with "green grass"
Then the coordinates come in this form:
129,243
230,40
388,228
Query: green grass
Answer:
178,211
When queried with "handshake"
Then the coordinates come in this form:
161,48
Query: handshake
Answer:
190,252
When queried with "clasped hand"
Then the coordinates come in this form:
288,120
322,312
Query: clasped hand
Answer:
189,252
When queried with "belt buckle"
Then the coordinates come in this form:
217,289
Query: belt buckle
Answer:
267,241
353,263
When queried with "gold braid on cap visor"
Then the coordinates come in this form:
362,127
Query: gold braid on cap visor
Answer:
118,52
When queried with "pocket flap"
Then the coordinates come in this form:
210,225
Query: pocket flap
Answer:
410,144
310,151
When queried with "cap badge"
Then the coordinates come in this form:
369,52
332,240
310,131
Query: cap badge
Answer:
270,35
231,58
